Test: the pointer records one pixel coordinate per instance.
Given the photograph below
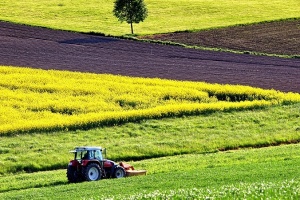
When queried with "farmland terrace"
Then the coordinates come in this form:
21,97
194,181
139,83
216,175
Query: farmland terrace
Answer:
275,37
51,49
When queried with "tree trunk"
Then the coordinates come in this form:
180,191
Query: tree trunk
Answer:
131,28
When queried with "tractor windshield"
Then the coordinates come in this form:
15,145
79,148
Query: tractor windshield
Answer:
81,155
91,154
98,155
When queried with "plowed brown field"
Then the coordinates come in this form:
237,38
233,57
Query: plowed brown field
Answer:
49,49
278,37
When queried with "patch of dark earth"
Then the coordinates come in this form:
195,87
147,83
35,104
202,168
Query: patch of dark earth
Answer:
277,37
36,47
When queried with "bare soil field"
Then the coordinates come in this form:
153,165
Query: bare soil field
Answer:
278,37
50,49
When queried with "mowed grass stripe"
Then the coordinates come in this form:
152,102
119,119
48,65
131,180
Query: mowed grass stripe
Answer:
244,169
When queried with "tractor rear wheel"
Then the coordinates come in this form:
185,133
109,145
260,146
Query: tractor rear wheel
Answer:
72,175
119,172
92,172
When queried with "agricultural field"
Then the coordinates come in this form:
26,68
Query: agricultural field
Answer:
164,15
205,125
61,50
223,175
37,100
284,33
227,118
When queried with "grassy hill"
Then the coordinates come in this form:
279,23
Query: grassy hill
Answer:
251,174
164,15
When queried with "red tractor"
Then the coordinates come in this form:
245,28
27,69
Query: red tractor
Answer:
90,164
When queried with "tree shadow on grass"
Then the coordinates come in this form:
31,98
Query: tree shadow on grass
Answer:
89,40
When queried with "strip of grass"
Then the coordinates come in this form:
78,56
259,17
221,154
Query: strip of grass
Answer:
214,171
164,15
215,48
156,138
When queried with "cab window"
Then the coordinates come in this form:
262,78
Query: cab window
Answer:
98,155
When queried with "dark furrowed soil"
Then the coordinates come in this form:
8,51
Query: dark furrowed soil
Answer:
49,49
279,37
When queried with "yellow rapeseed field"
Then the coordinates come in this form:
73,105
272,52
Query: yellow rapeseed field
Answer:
33,100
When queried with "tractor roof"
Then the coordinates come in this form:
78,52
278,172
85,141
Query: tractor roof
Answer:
86,149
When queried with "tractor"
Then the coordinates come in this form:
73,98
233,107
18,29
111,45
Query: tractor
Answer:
89,164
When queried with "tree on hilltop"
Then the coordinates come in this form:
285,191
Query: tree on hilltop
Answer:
131,11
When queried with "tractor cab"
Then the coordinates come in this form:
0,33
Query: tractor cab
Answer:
89,153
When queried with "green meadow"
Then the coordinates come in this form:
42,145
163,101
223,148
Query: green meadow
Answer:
164,15
223,155
155,138
266,173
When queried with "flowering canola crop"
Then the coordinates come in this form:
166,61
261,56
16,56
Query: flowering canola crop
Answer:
34,100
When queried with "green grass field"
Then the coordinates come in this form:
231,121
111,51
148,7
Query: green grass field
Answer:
164,15
156,138
251,173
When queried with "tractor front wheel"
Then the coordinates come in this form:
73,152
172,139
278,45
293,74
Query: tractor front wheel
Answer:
72,175
119,172
92,172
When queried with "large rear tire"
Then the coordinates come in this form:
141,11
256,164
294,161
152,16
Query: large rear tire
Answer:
72,175
92,172
119,172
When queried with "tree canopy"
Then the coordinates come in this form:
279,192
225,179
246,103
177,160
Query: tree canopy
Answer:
131,11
